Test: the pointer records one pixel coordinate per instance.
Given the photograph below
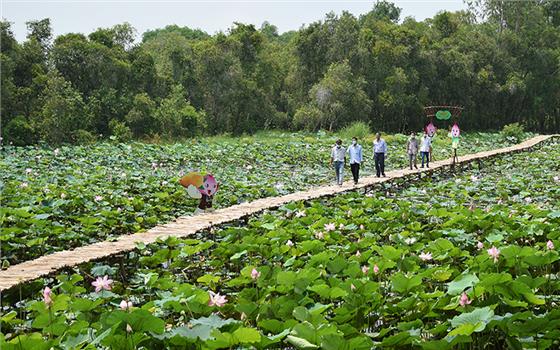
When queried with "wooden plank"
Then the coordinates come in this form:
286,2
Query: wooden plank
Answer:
187,225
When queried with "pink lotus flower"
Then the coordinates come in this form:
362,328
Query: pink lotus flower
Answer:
365,269
330,227
319,235
289,243
550,245
464,300
216,299
102,283
425,256
494,253
98,198
255,274
528,199
125,305
375,269
47,296
358,254
362,227
480,245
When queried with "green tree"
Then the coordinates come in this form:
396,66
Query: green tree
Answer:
270,31
339,97
185,32
106,104
9,49
89,65
19,132
383,10
41,32
177,117
140,119
63,111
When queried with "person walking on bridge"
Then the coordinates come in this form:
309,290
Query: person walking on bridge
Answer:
355,153
379,152
425,146
338,158
412,150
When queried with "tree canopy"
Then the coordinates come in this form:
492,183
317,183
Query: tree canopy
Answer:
499,59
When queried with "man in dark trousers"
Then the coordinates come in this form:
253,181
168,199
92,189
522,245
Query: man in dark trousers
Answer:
379,152
355,153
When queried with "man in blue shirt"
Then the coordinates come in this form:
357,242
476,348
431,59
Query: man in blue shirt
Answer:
379,152
355,153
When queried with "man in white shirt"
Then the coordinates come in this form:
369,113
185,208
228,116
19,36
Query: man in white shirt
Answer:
355,153
425,145
379,152
338,158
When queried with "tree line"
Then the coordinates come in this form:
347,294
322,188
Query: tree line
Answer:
499,59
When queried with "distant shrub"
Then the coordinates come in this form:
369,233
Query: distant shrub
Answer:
155,138
140,119
120,131
357,129
395,137
63,113
19,132
307,117
279,120
83,137
513,132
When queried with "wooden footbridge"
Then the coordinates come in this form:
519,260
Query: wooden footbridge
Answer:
187,225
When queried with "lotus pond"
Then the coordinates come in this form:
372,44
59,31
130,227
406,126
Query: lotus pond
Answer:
57,199
464,261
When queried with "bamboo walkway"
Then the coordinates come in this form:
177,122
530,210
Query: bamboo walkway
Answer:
186,225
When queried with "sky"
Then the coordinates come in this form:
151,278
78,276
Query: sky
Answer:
85,16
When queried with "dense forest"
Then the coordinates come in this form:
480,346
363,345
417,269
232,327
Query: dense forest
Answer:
500,60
